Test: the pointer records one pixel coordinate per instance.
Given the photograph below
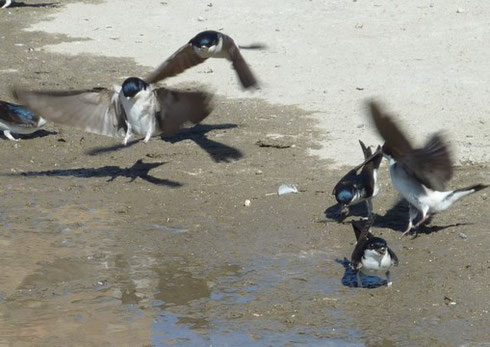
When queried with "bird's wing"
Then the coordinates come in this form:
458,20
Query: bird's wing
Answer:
431,164
241,67
181,60
180,107
361,229
97,111
396,144
352,173
358,252
394,258
17,114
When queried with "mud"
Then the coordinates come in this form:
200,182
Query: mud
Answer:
152,244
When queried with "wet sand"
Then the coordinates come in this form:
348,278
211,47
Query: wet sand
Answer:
152,244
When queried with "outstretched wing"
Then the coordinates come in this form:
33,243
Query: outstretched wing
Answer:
431,164
241,67
97,111
183,59
180,107
396,144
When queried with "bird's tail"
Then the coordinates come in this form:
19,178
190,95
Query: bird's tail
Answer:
457,194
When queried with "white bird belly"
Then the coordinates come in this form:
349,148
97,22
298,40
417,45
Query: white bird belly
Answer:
140,112
408,186
374,264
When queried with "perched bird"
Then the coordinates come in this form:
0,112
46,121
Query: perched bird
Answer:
371,256
135,107
419,174
18,120
206,44
360,183
5,3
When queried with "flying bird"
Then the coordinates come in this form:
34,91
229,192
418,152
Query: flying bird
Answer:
360,183
135,107
206,44
419,174
371,256
18,120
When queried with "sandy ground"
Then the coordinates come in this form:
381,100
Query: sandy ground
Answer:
428,60
152,244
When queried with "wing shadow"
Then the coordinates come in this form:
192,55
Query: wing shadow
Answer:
139,169
219,152
23,4
39,133
118,147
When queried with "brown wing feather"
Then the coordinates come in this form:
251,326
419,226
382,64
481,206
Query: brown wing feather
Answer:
241,67
431,164
396,144
361,229
180,107
181,60
89,110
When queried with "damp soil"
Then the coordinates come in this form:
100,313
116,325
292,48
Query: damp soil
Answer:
153,244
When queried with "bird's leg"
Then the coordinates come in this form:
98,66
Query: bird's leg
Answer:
345,210
425,216
129,132
369,203
388,281
359,282
9,135
150,131
412,213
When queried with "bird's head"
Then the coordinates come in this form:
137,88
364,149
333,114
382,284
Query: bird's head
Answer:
132,86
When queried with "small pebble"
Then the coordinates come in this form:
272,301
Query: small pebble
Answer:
247,203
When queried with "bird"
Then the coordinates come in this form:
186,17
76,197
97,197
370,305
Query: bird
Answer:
419,174
5,3
207,44
18,120
360,183
371,255
135,107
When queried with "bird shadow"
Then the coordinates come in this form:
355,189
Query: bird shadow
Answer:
139,169
334,212
219,152
23,4
37,134
114,148
350,278
396,218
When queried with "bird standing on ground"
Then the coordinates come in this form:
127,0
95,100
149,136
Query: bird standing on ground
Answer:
419,174
371,256
18,120
356,187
